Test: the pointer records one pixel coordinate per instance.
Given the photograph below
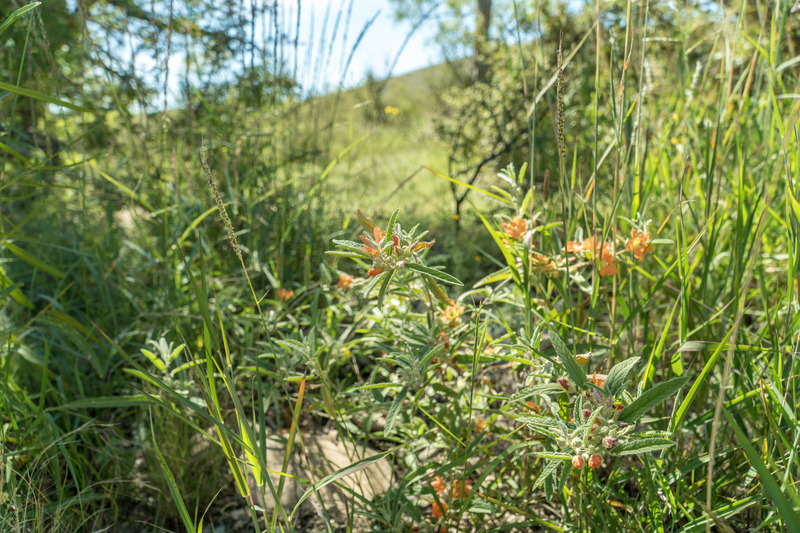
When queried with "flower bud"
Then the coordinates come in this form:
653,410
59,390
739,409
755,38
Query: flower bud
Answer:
622,425
577,461
586,413
610,442
595,461
564,382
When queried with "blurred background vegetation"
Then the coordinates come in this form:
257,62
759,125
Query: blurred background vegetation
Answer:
681,112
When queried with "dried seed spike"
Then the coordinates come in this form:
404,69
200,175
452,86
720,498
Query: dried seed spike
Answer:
562,145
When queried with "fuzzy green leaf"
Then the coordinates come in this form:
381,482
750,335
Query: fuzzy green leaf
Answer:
390,227
353,254
650,398
542,388
615,381
550,468
385,285
558,456
650,444
568,361
435,274
154,359
394,410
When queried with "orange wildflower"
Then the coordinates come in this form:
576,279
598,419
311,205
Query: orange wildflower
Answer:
595,461
515,228
598,379
639,244
590,245
437,484
437,511
541,263
374,271
283,294
577,461
607,266
345,282
451,315
461,489
372,247
480,425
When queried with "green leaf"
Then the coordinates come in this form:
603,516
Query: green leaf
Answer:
650,398
176,352
394,410
346,471
352,245
560,456
550,468
109,402
435,274
354,255
437,291
387,278
39,96
793,203
16,293
542,388
480,507
650,444
791,516
173,489
124,189
390,227
154,359
17,14
568,361
680,413
196,222
615,381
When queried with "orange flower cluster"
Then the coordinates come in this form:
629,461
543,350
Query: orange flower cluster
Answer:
437,484
369,247
590,245
283,294
345,282
541,263
639,244
461,489
451,315
516,227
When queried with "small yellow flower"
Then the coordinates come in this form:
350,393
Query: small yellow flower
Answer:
389,110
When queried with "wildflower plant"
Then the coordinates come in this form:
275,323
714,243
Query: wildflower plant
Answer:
393,252
603,414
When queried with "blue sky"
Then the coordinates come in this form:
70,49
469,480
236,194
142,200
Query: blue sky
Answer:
321,67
